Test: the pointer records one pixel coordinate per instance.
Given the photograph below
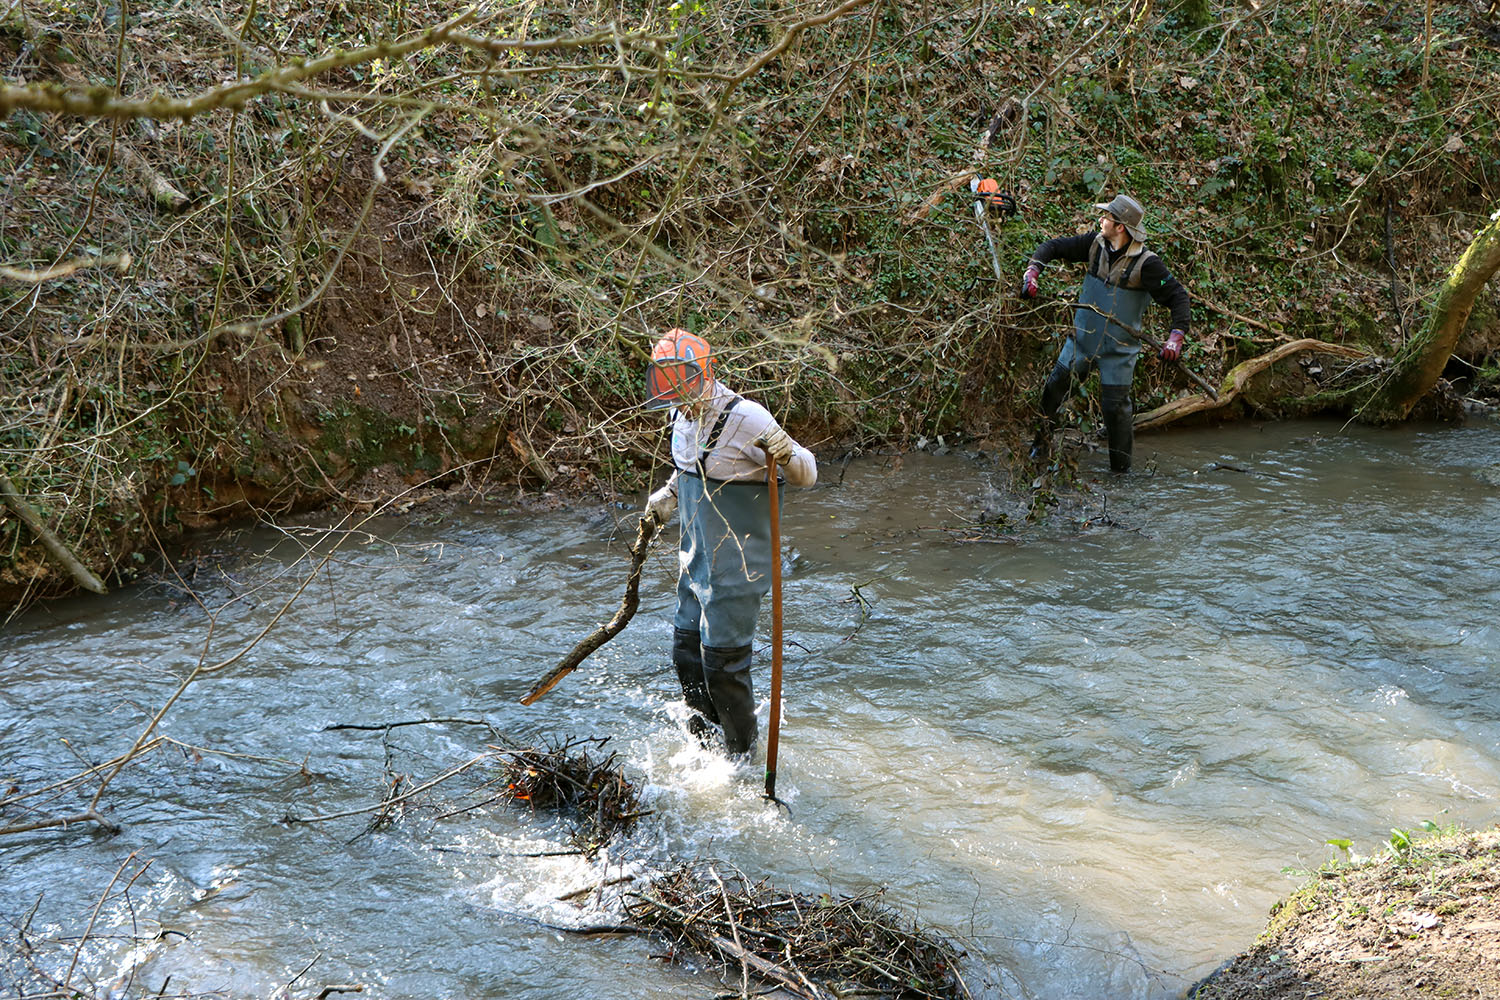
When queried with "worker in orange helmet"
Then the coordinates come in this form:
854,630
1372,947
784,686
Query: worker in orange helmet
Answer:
719,446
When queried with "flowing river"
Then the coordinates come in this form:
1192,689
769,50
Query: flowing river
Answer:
1093,752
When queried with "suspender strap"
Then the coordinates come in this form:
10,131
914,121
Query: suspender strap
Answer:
1102,266
718,429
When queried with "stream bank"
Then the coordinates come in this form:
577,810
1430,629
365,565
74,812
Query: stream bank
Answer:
1420,919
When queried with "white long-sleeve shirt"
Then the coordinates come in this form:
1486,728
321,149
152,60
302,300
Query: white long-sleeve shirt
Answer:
735,456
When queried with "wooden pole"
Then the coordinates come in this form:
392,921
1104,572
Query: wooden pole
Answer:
775,726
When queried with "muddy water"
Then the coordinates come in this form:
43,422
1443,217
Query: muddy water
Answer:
1088,751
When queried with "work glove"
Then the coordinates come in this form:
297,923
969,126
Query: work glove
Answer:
1029,285
1172,349
662,504
778,444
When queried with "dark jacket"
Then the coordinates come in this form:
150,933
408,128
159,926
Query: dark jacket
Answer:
1155,279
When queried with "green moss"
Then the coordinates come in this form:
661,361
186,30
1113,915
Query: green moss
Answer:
360,437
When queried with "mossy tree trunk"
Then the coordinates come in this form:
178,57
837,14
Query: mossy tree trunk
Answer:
1420,363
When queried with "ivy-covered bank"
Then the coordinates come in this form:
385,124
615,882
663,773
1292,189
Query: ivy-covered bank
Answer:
326,254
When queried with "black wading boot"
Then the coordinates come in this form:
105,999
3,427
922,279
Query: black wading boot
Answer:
687,657
1054,391
1119,425
728,674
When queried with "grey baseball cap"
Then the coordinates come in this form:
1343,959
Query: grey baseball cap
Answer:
1129,212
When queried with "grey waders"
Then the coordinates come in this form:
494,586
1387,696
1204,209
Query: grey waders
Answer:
1119,418
726,570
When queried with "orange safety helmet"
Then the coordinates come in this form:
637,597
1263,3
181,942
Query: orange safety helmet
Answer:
682,363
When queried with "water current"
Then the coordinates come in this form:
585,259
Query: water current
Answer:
1094,751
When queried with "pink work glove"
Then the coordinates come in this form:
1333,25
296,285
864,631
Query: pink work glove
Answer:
1172,349
1029,286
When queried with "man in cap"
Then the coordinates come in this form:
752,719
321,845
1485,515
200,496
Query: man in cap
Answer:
1122,277
719,446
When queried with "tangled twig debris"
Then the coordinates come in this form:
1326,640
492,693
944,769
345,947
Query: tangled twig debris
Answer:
565,778
811,946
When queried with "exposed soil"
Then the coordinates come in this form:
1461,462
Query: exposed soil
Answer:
1424,922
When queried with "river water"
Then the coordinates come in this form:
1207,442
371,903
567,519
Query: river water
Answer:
1091,752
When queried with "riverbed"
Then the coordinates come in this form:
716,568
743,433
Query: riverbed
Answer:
1092,750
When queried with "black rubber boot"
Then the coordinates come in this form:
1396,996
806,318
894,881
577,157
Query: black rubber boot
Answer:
1054,391
687,657
728,674
1119,425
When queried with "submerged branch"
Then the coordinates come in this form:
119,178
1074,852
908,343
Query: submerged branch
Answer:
387,803
91,816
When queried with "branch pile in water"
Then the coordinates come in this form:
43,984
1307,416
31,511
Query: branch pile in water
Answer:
563,778
815,947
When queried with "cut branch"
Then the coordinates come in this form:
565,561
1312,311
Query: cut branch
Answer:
645,532
160,190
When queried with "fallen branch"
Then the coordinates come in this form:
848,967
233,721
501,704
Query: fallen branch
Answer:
75,780
645,532
409,722
92,816
81,573
160,190
1235,382
596,887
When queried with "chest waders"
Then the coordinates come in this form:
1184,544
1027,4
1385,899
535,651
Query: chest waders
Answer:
725,562
1110,304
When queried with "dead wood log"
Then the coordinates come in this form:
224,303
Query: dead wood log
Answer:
645,532
1235,382
529,458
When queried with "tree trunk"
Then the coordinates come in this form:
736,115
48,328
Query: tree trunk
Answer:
1420,363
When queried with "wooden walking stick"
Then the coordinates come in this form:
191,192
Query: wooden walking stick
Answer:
775,727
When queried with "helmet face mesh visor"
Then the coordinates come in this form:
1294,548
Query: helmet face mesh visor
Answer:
670,381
